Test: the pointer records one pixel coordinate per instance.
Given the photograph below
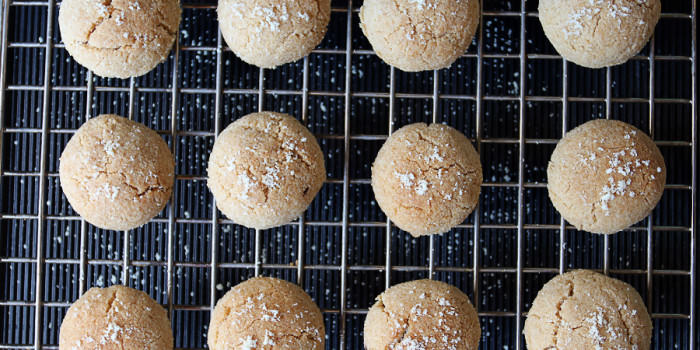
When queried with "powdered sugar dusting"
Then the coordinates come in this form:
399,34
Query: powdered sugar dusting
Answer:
249,343
421,4
102,9
406,179
110,334
119,19
271,177
111,192
105,191
231,164
134,6
434,312
270,314
436,155
576,21
422,187
236,7
269,338
270,17
247,183
110,146
621,170
601,330
596,322
586,15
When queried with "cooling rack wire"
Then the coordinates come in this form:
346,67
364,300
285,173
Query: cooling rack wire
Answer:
33,307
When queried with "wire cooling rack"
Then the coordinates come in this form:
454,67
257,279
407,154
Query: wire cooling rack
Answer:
510,93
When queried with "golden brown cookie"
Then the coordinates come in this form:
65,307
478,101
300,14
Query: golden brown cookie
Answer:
422,314
270,33
266,313
418,35
599,33
265,169
583,309
116,173
119,38
427,178
117,317
605,175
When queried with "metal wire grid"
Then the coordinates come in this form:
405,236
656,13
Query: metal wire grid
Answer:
343,334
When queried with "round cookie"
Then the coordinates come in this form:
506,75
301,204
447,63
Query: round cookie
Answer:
266,313
269,33
265,169
586,310
605,175
119,38
418,35
599,33
422,314
116,173
117,317
427,178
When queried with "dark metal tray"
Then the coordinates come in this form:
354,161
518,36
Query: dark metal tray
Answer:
510,93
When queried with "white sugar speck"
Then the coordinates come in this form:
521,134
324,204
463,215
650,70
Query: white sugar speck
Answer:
249,343
422,187
406,179
102,10
271,177
436,155
419,3
269,18
268,338
110,146
247,184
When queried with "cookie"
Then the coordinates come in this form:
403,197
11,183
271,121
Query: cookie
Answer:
116,173
117,317
418,35
265,169
422,314
605,175
599,33
270,33
427,178
586,310
266,313
119,38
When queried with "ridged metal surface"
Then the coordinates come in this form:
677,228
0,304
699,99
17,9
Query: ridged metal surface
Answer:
510,93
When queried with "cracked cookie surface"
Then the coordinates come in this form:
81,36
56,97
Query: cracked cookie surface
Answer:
117,317
116,173
418,35
605,175
265,169
427,178
583,309
119,38
599,33
270,33
422,314
266,313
